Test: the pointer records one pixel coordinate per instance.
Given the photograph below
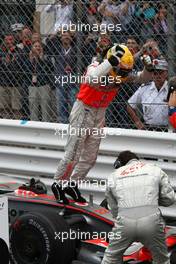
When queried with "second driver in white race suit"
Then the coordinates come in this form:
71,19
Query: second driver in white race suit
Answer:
88,114
134,192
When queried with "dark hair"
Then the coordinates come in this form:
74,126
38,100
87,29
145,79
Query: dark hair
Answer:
160,5
172,86
126,156
136,38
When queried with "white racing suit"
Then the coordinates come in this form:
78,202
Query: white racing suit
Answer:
82,148
134,192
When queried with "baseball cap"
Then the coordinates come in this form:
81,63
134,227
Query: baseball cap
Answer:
160,64
17,27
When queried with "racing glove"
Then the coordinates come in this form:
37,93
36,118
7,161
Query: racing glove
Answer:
59,193
117,53
73,191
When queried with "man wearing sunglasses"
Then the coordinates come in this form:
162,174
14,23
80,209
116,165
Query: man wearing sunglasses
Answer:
151,97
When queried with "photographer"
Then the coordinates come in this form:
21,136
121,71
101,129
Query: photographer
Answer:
172,101
150,48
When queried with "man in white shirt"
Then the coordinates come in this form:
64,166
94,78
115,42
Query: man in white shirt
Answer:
114,13
109,9
126,12
152,98
63,11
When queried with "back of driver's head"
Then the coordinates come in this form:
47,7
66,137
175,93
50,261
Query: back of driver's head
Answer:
126,156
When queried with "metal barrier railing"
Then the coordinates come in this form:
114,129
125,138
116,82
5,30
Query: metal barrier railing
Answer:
33,149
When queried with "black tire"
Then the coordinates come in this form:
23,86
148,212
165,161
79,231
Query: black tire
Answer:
173,257
33,240
4,252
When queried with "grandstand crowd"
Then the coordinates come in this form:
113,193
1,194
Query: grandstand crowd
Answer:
34,68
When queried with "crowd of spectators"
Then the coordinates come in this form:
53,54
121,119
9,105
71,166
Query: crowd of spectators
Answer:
31,65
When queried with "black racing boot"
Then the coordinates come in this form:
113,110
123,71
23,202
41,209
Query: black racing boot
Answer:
35,186
73,191
59,193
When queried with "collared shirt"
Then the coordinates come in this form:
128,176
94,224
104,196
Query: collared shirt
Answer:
63,15
155,109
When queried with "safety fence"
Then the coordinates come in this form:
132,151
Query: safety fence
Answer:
33,149
46,45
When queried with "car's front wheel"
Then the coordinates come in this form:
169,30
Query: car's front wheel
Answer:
36,238
4,252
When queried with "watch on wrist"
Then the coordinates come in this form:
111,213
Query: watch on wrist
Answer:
172,109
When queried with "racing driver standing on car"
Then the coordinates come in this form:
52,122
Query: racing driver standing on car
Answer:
134,192
88,114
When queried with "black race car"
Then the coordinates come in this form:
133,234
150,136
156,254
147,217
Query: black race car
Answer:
43,231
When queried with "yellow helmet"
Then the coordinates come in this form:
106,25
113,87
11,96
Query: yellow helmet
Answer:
125,66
